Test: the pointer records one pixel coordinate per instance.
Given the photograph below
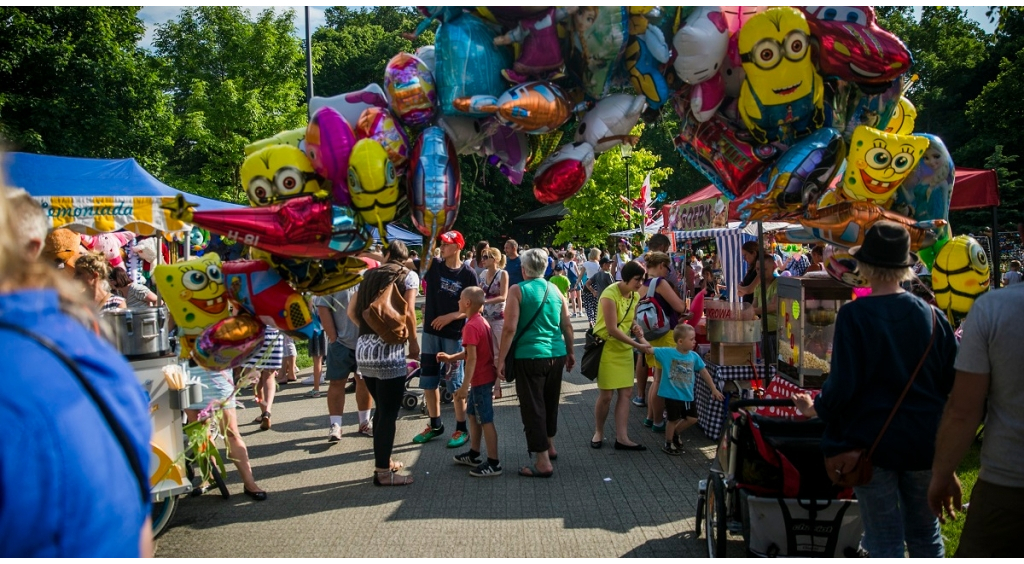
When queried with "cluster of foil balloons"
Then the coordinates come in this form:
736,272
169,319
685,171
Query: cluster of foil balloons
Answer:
797,111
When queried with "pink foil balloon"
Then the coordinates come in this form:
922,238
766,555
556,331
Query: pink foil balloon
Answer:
329,141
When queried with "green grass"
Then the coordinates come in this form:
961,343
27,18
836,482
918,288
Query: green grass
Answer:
968,474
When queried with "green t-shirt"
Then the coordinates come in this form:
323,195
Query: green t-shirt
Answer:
562,283
543,339
772,294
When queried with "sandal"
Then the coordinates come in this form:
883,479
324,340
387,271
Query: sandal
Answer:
534,473
389,478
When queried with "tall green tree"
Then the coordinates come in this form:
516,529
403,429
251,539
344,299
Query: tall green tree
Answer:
355,45
234,79
74,82
596,210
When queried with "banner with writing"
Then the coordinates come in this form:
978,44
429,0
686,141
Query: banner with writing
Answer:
703,214
102,214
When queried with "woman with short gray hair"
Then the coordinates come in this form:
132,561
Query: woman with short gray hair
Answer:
544,339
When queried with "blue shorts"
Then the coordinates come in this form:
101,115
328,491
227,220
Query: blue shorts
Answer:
341,361
481,403
430,369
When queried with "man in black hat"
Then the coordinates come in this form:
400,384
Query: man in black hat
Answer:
883,341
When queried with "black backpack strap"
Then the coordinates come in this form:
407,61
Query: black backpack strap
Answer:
115,427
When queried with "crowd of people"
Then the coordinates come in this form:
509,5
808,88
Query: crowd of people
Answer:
507,317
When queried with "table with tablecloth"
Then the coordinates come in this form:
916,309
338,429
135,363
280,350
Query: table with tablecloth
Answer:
710,412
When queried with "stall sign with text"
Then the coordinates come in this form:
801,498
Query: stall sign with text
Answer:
694,216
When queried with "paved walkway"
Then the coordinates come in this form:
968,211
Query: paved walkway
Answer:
599,503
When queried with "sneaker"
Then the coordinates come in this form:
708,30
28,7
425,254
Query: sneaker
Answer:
428,434
648,423
678,440
312,394
486,470
459,438
671,449
335,433
658,428
466,459
639,402
366,429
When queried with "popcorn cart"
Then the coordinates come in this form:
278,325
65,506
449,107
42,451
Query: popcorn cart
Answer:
141,336
807,316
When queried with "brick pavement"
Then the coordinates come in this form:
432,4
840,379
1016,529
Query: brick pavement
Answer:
599,503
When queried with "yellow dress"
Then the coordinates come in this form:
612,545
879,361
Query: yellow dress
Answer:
617,358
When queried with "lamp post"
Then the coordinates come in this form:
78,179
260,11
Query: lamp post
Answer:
627,155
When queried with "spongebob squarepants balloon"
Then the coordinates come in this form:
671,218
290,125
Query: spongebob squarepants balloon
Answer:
878,162
782,96
276,173
194,292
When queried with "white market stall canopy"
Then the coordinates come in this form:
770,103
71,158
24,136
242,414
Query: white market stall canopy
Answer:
99,195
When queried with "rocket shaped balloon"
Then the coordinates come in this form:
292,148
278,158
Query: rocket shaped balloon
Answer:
532,107
304,227
434,185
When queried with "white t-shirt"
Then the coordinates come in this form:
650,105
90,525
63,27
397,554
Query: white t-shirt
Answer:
992,334
620,260
590,268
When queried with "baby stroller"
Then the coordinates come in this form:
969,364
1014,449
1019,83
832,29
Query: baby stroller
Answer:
768,483
412,396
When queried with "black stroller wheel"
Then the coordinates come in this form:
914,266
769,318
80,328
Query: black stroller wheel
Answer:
409,401
714,523
447,397
701,500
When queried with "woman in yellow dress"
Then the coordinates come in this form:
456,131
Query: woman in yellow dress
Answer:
618,303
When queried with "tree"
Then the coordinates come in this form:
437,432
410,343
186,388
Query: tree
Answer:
74,82
352,50
233,80
594,211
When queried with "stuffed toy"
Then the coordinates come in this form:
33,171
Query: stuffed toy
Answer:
109,244
63,246
147,250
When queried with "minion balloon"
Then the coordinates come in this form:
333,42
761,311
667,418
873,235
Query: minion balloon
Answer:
373,184
782,95
960,274
276,173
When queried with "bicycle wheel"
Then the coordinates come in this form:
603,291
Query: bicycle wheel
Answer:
219,480
161,514
714,517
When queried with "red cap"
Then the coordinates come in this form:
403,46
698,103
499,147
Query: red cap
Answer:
452,237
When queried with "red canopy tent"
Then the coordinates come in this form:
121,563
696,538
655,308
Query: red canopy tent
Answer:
975,188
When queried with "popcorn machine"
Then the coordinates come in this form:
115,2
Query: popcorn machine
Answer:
807,316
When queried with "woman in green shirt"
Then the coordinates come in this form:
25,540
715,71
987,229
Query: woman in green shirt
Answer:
615,321
543,350
771,310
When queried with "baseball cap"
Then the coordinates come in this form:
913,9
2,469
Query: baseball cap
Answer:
604,260
452,237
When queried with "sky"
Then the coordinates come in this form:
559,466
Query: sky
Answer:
152,15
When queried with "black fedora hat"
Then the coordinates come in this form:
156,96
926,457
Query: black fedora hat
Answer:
886,245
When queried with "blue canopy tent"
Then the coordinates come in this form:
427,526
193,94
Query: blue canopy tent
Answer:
396,233
99,195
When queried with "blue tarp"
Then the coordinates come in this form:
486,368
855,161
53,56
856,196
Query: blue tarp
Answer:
47,175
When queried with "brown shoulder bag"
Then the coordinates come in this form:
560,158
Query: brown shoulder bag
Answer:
386,314
853,467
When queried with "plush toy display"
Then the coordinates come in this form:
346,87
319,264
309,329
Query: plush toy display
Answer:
109,245
63,247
